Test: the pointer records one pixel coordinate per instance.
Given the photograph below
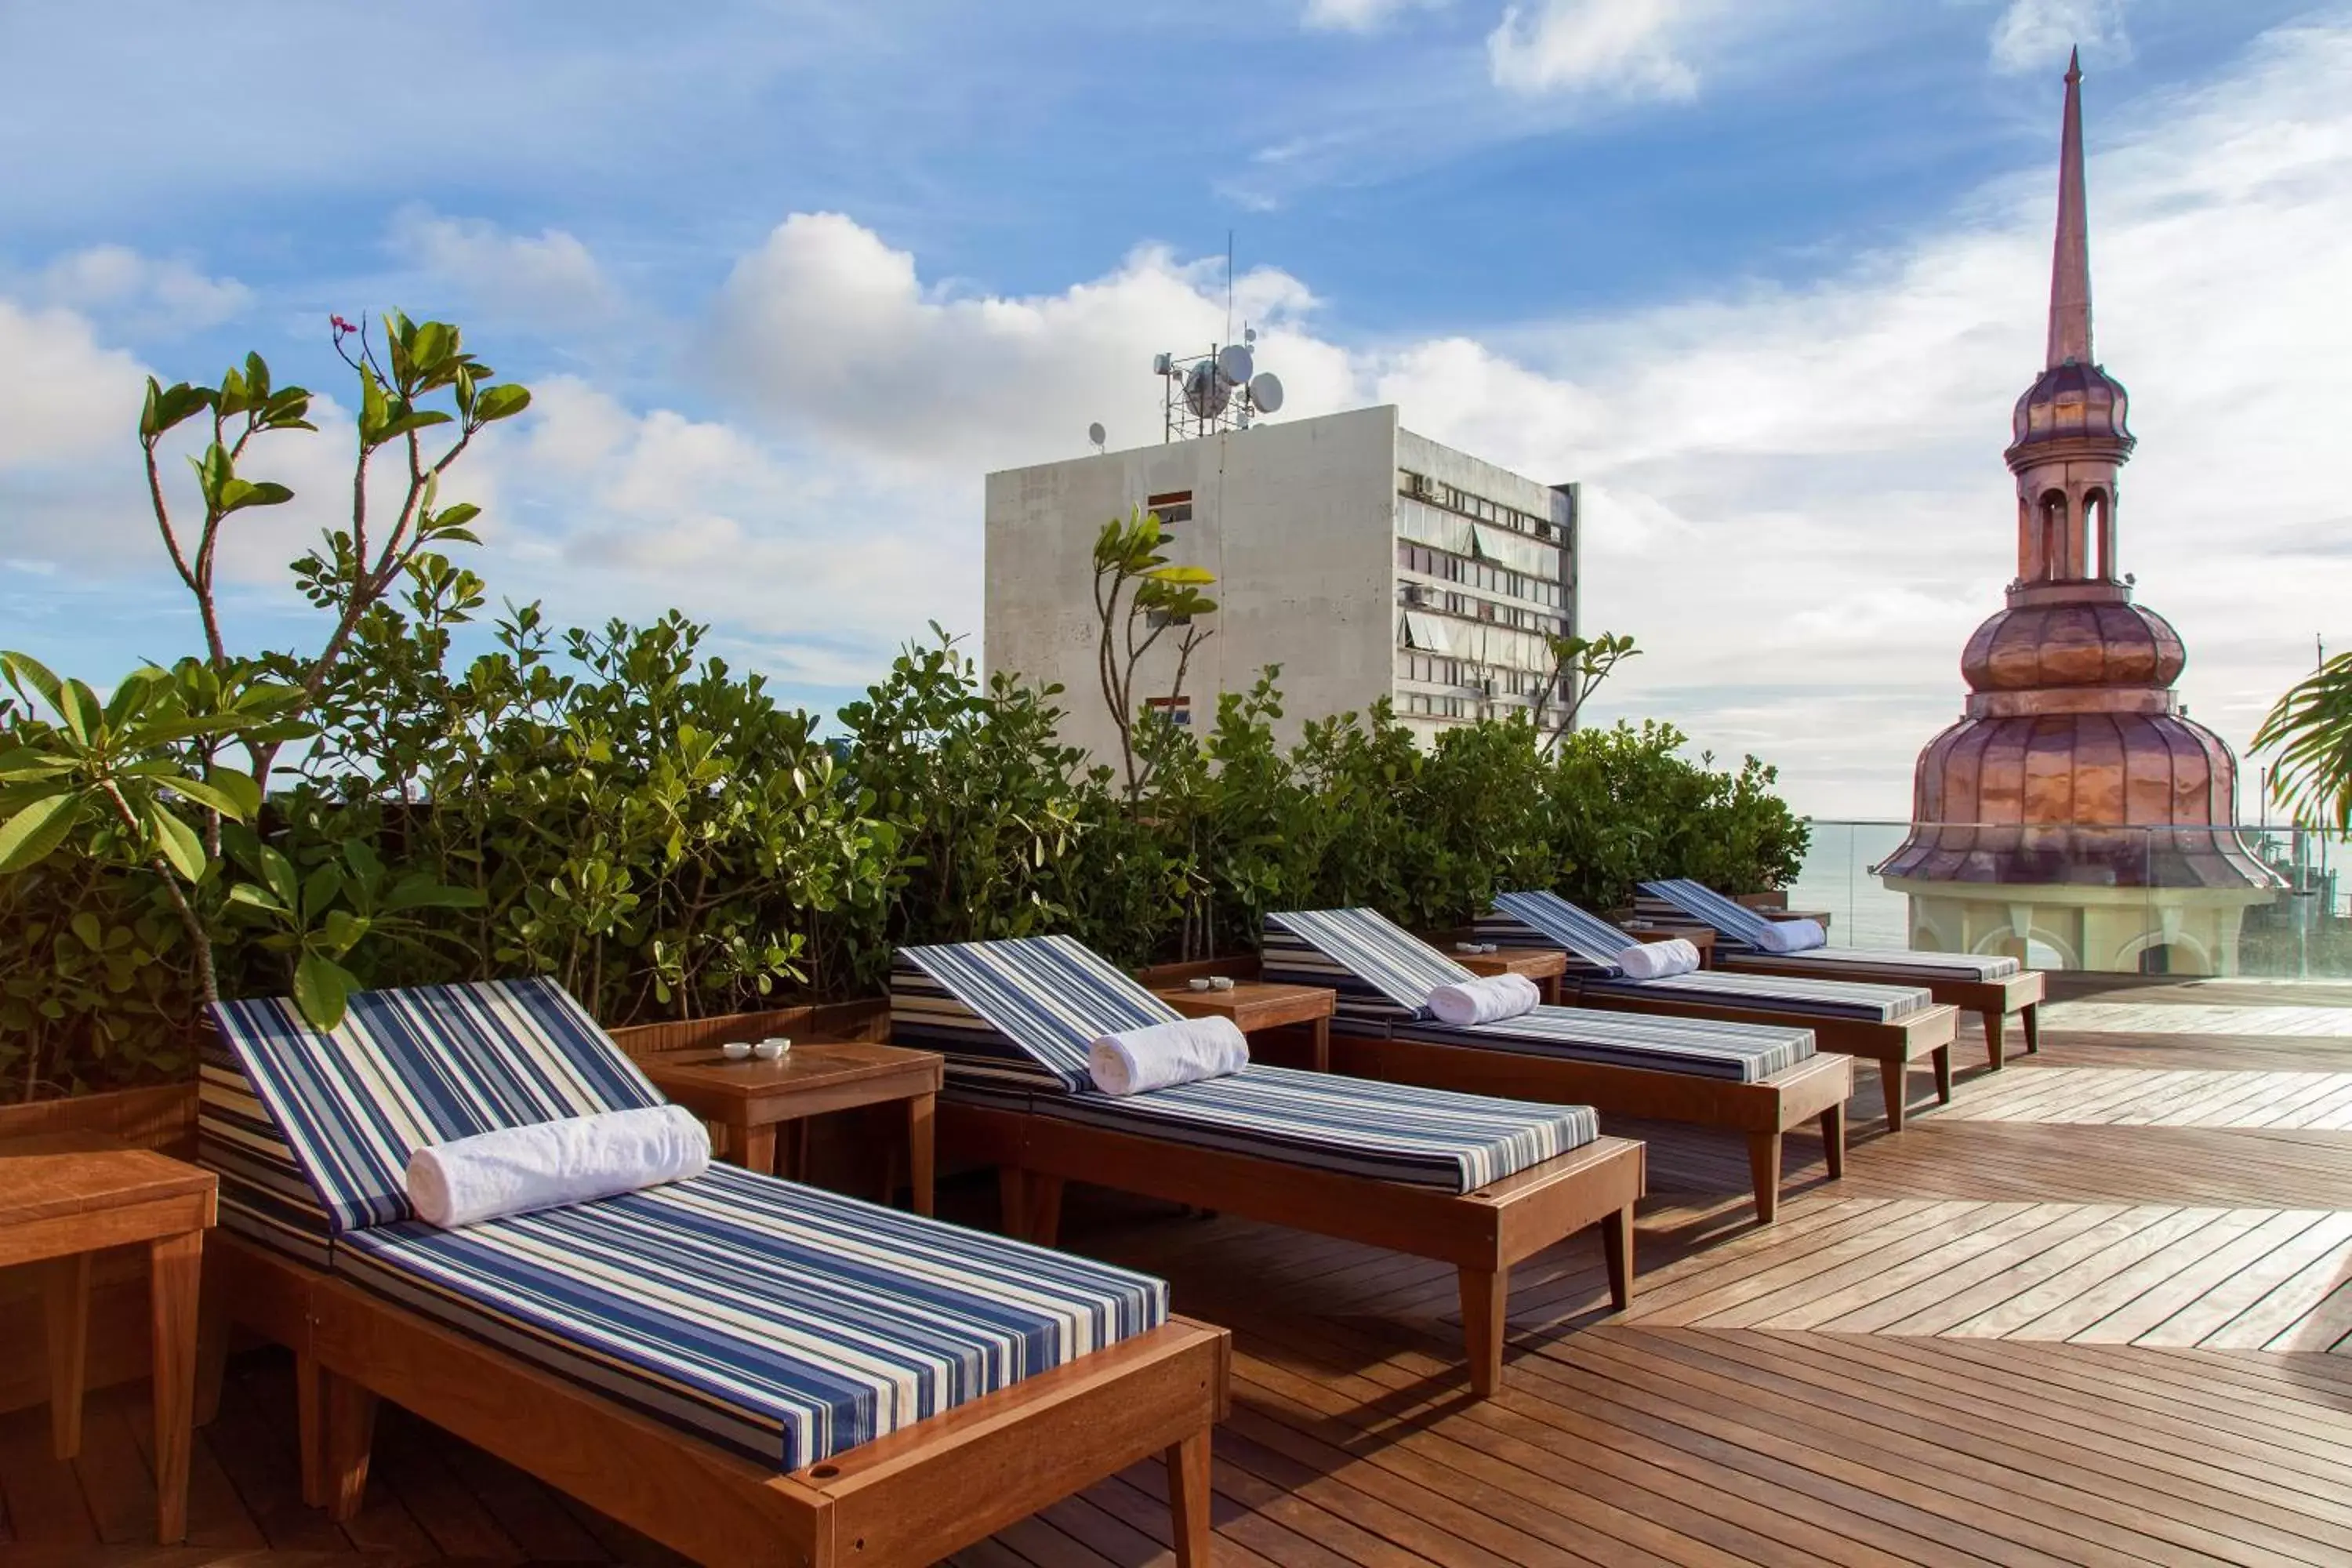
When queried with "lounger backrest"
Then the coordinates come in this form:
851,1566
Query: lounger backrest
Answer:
1380,970
1547,919
1015,1013
409,1067
1704,904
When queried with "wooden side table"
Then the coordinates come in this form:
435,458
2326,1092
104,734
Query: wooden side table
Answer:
752,1099
1258,1004
64,1196
1544,965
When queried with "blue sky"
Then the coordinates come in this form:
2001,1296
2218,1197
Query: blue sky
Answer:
790,278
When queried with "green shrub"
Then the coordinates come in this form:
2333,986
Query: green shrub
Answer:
619,810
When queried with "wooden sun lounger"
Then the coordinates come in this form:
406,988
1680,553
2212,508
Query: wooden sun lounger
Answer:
1994,1000
1380,1037
899,1501
1482,1234
1925,1035
1815,1090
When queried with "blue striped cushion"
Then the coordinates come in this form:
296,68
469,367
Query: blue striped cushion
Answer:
1018,1013
1742,926
264,1195
1380,971
1701,1047
1911,964
781,1322
1592,944
405,1069
1392,970
1395,1132
1696,901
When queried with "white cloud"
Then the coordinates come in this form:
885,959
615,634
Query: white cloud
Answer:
825,329
150,296
2035,35
1627,48
1359,16
65,398
548,280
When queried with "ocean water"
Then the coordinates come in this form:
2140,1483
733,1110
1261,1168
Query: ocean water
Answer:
1837,878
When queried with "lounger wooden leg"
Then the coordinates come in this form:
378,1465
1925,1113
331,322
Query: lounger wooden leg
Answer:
1833,1141
1994,1018
1617,1252
1485,1296
1012,1201
1764,1170
2031,1017
921,1117
1892,1078
66,1313
1044,1209
311,1429
175,1266
348,1412
1188,1499
1943,1061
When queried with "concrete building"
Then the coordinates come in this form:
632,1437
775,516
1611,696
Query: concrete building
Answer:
1366,561
2075,807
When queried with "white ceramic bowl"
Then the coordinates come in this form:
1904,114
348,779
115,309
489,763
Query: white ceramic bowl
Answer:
1221,983
736,1050
769,1050
1198,982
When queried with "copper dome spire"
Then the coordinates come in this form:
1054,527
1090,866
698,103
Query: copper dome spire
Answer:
2073,739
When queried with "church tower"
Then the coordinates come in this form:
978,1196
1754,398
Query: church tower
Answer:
2075,804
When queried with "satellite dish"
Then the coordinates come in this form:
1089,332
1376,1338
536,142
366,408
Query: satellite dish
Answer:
1249,334
1266,393
1096,433
1207,390
1236,362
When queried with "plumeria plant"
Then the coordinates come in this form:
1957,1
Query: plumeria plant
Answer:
137,779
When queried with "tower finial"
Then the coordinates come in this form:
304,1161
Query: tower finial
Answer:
2069,268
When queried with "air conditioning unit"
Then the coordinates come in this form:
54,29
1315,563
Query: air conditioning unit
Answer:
1416,593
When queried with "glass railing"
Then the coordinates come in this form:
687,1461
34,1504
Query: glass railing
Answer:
2257,900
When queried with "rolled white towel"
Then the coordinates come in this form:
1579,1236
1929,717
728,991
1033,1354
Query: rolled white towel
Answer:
1162,1055
549,1163
1486,1000
1793,936
1657,960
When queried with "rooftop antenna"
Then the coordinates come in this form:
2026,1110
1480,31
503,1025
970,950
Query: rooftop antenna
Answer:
1229,284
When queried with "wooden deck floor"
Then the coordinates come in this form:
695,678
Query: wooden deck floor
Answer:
2088,1314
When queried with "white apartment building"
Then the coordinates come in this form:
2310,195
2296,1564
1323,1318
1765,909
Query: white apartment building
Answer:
1366,561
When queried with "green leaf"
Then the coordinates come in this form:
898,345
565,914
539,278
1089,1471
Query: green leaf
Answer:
24,671
322,988
1188,576
178,843
375,411
29,838
32,762
318,891
253,896
239,494
342,931
502,402
232,794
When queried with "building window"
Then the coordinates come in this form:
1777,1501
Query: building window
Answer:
1176,709
1171,507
